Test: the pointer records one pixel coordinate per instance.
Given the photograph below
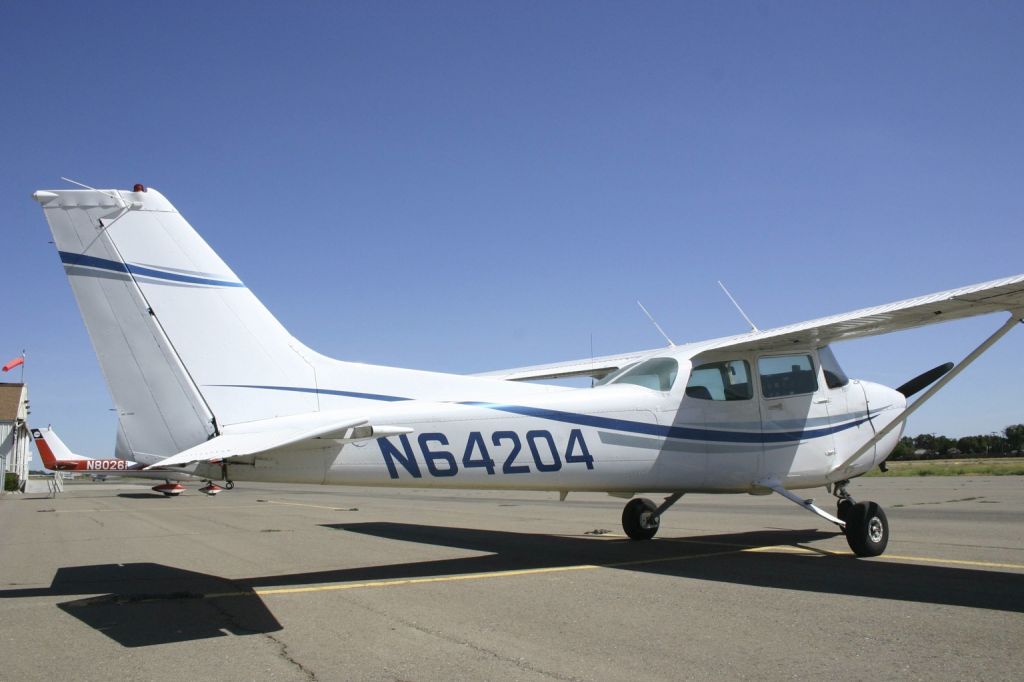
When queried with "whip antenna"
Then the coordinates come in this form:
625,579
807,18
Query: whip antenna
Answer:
753,326
655,323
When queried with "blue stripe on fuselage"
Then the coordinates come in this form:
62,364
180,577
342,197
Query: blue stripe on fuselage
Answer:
680,432
649,429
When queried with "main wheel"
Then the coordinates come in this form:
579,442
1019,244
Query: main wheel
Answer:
229,484
867,529
639,520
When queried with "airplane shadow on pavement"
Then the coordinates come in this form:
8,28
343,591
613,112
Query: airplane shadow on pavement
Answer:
143,604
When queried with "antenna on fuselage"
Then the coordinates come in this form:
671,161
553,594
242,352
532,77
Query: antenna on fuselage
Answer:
753,326
655,323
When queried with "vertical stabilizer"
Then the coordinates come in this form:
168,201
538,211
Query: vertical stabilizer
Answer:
172,325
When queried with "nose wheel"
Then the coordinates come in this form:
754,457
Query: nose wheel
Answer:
867,529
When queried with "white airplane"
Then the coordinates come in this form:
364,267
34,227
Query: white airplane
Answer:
201,373
57,456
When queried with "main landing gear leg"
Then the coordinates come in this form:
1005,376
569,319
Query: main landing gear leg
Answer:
641,517
228,483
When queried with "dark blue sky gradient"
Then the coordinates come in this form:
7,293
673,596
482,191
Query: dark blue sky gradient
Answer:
470,186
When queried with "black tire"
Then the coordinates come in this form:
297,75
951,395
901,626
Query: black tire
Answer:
229,484
843,508
638,519
867,529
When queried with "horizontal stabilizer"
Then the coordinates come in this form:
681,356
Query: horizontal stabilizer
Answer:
240,444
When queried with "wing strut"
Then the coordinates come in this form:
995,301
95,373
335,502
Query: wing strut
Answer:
936,387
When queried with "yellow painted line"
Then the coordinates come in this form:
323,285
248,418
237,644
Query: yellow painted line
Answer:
796,549
887,557
336,587
299,504
481,576
620,564
954,562
421,581
132,510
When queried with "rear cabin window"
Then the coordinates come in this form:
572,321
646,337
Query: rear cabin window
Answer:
784,375
729,380
657,373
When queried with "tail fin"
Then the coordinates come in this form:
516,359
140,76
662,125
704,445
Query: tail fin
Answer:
51,448
173,327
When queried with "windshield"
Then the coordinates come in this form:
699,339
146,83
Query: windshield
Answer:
835,377
609,378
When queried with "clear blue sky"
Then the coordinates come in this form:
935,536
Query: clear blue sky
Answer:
471,186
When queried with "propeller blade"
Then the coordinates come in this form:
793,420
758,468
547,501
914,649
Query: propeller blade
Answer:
922,380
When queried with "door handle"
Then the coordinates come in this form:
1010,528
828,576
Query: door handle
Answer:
819,401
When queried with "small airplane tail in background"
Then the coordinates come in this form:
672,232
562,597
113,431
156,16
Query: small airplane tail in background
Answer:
57,456
53,451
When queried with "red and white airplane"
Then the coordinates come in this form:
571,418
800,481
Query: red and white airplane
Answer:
57,456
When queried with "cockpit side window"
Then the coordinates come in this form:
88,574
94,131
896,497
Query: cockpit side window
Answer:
835,377
657,373
783,375
728,380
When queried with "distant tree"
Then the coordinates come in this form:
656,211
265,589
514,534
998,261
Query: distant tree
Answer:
925,441
997,445
1015,437
970,445
904,449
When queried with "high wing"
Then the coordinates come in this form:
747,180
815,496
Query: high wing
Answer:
978,299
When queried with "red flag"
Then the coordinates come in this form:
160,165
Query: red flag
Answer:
14,363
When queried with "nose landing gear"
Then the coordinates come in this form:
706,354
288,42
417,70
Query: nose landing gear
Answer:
865,524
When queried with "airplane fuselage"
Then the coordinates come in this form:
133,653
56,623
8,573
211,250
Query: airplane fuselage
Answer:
616,438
